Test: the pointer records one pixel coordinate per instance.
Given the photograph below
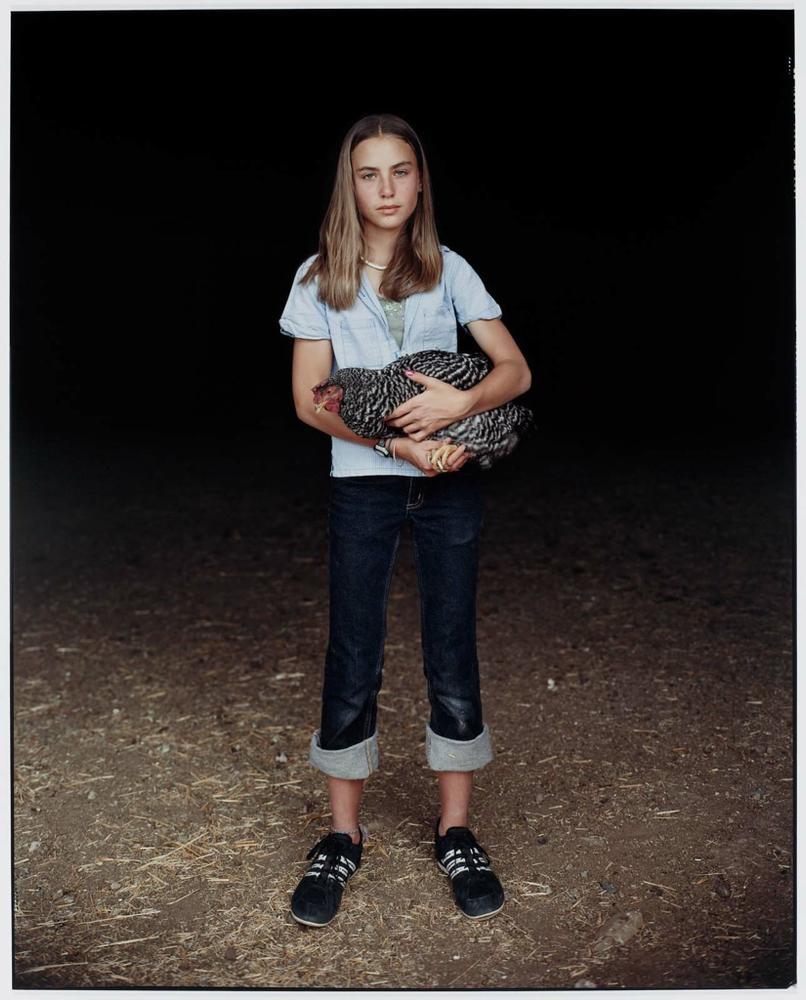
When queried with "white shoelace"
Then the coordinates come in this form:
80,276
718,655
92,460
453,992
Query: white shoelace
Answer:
339,869
462,859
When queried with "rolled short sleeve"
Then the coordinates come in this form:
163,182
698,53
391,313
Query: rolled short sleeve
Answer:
304,315
471,300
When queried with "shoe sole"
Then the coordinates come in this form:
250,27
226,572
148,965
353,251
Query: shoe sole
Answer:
470,916
312,923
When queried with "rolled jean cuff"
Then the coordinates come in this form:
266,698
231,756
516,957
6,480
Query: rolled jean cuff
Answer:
357,761
457,755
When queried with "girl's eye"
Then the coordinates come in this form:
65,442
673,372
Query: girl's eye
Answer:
370,176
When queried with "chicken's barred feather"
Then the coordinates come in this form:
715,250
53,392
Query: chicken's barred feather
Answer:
372,394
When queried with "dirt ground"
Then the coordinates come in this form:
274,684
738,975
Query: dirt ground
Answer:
635,641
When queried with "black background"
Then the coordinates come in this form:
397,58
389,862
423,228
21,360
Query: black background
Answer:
622,180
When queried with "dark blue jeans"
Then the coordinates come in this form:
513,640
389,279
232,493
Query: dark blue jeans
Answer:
365,517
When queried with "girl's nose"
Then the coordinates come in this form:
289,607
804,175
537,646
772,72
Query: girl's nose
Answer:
387,186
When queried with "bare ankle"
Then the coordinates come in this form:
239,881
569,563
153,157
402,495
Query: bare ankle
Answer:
445,825
354,833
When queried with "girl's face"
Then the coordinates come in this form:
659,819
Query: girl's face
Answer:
386,181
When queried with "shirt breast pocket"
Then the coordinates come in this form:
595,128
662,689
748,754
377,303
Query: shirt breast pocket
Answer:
360,344
439,329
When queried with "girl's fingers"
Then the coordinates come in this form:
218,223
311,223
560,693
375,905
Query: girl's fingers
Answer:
457,458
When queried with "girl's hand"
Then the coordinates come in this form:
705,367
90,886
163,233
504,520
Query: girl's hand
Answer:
439,405
416,452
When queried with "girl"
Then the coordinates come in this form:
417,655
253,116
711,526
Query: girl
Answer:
382,286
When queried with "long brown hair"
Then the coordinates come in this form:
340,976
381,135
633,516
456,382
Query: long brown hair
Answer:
416,263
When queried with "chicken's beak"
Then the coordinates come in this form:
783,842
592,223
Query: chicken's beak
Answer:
319,406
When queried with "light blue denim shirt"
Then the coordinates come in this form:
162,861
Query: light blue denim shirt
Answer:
360,338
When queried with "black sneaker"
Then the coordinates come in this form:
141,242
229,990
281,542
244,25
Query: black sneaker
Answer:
476,888
318,895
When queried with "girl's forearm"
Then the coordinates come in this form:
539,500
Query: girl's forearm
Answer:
332,424
505,382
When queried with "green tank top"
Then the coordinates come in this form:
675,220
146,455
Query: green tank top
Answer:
394,315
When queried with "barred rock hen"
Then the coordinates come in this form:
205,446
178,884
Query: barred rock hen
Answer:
363,397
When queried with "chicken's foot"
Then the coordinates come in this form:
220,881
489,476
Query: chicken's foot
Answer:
438,456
